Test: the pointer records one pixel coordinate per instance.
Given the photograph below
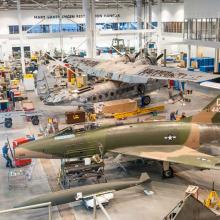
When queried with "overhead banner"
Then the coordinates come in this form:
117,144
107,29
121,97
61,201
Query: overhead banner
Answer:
75,16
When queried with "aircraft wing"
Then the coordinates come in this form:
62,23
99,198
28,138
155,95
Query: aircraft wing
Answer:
135,72
173,153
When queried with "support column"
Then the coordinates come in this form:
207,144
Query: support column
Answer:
188,55
89,11
165,57
216,69
139,22
21,36
197,51
150,13
60,28
159,28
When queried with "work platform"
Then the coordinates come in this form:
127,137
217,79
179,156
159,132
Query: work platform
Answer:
73,172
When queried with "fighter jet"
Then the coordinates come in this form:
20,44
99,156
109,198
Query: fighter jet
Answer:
83,192
194,141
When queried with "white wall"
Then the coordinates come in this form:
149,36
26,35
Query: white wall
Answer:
170,12
202,8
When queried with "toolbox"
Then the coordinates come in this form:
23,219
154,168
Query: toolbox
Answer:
75,117
16,143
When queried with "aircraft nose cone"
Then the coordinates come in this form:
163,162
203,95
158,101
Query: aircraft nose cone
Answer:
23,153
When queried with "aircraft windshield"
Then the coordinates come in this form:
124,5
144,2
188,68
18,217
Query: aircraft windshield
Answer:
65,131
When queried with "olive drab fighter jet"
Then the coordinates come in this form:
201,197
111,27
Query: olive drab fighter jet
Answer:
194,141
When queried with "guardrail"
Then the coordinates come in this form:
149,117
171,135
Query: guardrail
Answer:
41,205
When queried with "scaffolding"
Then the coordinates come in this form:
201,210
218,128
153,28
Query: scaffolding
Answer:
76,171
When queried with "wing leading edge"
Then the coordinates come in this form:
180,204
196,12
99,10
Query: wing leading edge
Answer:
136,72
173,153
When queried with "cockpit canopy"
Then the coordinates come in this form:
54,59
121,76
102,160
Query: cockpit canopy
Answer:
65,131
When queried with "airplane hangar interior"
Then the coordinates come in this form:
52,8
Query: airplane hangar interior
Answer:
110,109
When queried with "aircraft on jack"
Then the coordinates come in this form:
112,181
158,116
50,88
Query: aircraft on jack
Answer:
135,71
195,141
106,90
83,192
130,75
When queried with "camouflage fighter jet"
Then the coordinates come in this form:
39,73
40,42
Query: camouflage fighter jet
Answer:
195,141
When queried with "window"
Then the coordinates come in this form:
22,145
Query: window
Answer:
133,26
14,29
16,52
55,28
81,27
69,27
73,27
40,29
114,26
173,27
201,29
123,26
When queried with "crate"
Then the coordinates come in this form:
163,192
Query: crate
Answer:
202,61
119,106
75,117
206,68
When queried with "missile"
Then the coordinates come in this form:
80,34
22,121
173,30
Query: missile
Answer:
78,193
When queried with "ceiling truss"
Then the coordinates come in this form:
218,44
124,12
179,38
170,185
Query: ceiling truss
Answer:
73,4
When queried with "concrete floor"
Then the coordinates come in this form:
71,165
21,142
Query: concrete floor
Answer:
128,204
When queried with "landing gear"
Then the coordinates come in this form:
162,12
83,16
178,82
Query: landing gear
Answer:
146,100
8,122
35,120
141,89
167,170
167,173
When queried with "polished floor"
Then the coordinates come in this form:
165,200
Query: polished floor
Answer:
128,204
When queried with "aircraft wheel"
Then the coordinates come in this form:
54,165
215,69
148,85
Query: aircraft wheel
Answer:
8,122
167,173
35,120
141,89
146,100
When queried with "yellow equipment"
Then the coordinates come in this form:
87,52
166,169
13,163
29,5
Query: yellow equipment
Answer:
139,111
213,200
91,117
34,57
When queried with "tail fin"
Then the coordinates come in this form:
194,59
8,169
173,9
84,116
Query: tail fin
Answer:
144,178
209,114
